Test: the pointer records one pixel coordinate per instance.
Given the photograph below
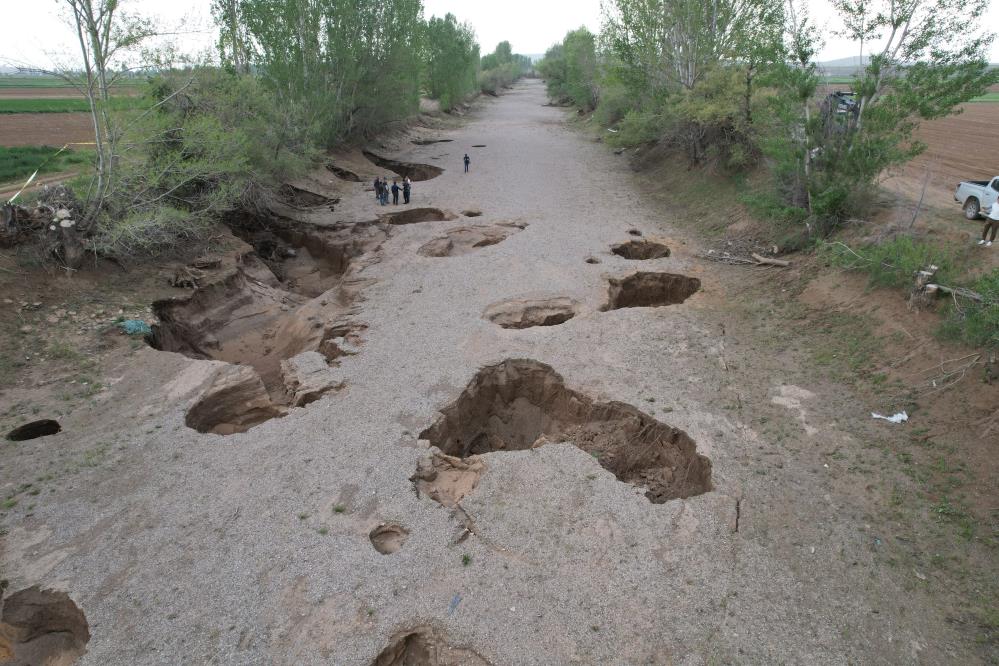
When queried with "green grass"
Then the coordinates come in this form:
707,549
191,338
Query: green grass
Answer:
988,97
57,105
19,162
838,79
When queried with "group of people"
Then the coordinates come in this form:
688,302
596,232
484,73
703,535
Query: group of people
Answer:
383,189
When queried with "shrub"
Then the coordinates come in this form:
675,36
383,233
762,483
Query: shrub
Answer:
891,263
976,323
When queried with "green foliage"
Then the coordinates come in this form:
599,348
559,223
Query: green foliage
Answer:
213,143
451,58
501,68
349,67
21,161
570,70
976,323
892,263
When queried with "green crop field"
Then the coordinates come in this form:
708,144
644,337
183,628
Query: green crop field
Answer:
51,82
19,162
59,105
988,97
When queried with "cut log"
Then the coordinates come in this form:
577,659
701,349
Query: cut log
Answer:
767,261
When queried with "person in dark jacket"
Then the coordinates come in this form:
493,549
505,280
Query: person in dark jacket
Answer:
378,188
407,187
468,160
395,193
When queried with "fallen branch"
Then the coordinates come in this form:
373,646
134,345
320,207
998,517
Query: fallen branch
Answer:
955,291
766,261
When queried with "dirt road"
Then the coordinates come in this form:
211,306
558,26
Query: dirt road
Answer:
269,546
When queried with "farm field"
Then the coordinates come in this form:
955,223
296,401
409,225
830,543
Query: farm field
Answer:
961,147
10,104
45,129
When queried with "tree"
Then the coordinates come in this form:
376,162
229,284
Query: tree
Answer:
451,59
104,33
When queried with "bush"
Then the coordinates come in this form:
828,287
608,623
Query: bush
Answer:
892,263
215,143
976,323
637,128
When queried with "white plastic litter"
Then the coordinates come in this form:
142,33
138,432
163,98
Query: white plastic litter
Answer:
901,417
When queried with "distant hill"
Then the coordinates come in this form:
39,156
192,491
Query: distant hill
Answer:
850,62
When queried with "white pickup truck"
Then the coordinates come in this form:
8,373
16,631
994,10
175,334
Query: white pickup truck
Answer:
976,196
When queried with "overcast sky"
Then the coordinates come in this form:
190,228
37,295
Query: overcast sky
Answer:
35,34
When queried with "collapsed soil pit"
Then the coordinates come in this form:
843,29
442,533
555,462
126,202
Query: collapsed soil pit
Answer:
430,142
388,538
464,240
411,170
42,627
281,333
528,313
344,174
417,215
650,290
425,646
34,430
305,259
521,404
302,198
641,250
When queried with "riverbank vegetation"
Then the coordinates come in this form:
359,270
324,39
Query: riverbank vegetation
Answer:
734,87
291,80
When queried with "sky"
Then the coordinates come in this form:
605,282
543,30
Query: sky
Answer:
37,36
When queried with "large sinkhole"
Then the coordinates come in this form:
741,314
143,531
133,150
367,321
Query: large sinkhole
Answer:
519,404
281,313
411,170
42,627
650,290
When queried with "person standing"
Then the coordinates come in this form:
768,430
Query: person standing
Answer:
378,189
991,224
395,193
407,186
468,161
385,191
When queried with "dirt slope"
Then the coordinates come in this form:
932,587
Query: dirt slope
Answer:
268,546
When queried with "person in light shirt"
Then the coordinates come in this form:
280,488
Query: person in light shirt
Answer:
991,224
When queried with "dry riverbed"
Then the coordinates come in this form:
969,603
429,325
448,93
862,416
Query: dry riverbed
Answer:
517,422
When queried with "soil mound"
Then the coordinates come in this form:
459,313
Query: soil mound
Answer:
42,627
650,290
520,404
417,215
425,646
388,538
463,240
412,170
34,430
520,313
640,250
